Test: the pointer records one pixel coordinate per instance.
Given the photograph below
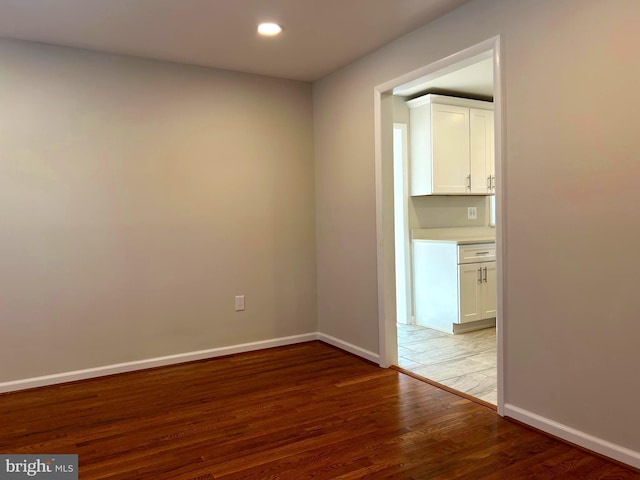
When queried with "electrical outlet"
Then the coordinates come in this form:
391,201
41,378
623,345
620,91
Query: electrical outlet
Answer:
472,213
239,303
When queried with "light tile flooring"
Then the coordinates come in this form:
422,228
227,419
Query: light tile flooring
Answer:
465,362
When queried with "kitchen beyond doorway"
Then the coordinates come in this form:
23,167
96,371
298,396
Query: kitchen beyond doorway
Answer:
465,362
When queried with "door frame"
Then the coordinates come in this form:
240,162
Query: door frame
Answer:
383,117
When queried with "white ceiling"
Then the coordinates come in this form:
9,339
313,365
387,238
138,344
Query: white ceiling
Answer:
473,77
320,36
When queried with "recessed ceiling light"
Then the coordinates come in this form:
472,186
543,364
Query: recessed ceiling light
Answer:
269,29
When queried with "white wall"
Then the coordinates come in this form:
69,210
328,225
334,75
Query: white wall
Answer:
571,318
137,198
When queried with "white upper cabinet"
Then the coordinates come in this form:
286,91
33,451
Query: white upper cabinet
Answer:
452,146
481,151
450,140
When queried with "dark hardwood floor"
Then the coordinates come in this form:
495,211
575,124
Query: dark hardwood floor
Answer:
302,412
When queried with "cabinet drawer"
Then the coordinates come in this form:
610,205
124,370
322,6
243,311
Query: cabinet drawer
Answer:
476,252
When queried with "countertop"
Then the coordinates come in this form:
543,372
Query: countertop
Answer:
461,235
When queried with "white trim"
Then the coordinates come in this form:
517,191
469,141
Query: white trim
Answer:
96,372
387,352
577,437
384,358
349,347
154,362
501,218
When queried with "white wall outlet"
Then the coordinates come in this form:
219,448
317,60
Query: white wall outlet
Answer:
239,303
472,213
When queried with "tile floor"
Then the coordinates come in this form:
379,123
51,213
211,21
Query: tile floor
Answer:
466,362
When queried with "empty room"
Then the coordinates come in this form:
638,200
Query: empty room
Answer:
201,245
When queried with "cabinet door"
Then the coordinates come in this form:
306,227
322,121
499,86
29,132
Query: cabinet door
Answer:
450,148
492,155
489,289
470,292
481,150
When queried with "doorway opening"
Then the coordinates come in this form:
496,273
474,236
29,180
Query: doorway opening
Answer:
445,326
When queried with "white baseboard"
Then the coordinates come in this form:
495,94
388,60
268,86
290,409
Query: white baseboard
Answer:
595,444
349,347
151,362
85,374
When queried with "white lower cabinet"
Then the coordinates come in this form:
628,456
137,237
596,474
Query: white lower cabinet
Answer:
454,285
477,291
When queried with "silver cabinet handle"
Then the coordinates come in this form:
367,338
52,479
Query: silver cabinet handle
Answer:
485,274
483,253
493,182
469,180
480,275
489,183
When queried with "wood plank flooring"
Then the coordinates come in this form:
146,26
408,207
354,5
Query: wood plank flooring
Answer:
307,411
